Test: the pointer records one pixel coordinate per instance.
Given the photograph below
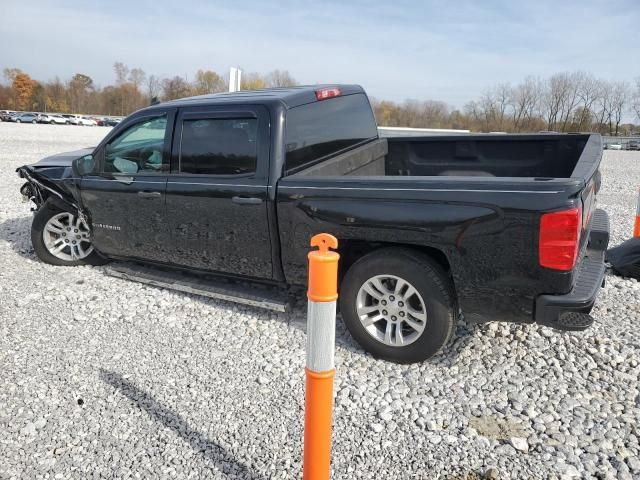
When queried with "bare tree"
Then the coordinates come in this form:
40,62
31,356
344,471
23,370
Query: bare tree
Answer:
153,88
121,71
620,95
589,90
602,107
137,77
571,98
494,103
636,99
176,87
280,78
10,74
555,98
525,103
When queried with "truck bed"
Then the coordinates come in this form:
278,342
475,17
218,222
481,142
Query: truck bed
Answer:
540,157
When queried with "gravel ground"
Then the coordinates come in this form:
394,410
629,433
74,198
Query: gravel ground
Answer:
100,377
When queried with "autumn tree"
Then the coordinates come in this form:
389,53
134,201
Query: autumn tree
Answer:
208,81
23,90
253,81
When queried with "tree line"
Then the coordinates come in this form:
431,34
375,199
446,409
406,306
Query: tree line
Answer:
133,89
564,102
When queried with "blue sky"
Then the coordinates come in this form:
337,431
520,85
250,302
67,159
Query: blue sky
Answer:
396,49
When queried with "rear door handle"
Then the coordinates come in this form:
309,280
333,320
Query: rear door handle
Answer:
149,194
246,200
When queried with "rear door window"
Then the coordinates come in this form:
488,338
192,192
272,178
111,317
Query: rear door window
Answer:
319,129
218,146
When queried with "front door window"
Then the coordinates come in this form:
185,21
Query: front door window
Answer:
139,149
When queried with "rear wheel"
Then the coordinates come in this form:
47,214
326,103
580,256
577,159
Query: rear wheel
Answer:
398,304
62,238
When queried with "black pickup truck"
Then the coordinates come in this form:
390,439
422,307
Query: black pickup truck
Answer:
220,194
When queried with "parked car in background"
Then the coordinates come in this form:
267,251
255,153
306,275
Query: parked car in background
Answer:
112,121
73,119
80,120
5,115
633,145
88,122
615,146
26,118
52,119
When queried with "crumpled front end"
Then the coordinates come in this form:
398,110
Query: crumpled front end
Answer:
52,178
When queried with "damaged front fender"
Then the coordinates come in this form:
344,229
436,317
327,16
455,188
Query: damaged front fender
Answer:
52,179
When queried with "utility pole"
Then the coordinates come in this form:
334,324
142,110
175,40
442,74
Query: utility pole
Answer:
235,79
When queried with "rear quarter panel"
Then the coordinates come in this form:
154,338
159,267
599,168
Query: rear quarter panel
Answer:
488,231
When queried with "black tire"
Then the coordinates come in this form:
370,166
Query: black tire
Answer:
52,122
18,121
431,282
34,121
40,219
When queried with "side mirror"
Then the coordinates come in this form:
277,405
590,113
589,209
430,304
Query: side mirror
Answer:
84,165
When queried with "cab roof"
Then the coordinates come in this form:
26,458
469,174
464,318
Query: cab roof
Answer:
289,96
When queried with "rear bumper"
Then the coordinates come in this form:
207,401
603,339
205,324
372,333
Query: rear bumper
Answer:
553,310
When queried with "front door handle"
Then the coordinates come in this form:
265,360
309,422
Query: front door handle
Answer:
246,200
149,194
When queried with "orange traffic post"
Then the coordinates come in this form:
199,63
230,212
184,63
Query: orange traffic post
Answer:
636,227
321,335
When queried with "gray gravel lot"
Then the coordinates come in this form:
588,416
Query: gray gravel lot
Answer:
100,377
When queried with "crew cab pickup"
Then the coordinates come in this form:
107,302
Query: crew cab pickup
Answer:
220,195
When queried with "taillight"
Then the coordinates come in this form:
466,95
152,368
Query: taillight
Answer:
560,239
328,93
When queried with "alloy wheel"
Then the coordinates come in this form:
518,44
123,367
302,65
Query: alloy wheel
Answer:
391,310
67,237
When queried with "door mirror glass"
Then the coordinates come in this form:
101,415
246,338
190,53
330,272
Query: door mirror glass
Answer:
84,165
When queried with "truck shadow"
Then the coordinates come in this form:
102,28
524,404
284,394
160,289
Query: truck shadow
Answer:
215,453
461,337
15,231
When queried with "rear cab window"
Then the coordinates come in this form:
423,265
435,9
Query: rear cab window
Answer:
218,146
323,128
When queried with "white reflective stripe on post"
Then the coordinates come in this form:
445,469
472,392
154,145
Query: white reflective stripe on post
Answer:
321,335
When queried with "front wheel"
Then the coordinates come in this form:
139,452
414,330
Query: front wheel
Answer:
398,304
62,238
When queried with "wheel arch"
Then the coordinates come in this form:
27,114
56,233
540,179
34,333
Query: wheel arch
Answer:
352,250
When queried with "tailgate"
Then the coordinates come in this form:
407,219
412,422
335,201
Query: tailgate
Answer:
587,171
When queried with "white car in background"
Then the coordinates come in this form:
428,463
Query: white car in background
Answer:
80,120
52,119
614,146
